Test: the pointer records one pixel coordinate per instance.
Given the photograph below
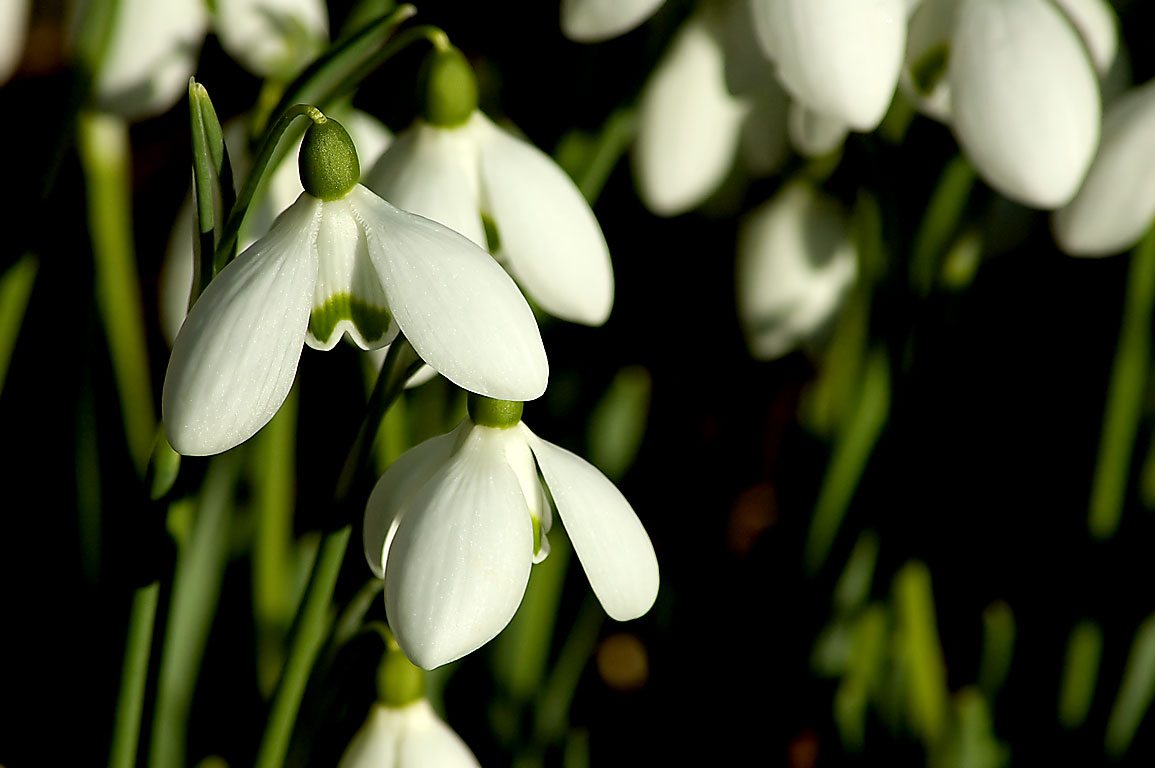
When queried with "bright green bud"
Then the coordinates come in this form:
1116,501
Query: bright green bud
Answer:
447,88
328,161
399,682
487,412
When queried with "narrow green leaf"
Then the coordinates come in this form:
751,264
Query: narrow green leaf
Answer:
1135,692
1080,673
972,742
998,648
939,224
852,451
853,587
618,422
1124,406
133,675
15,290
926,694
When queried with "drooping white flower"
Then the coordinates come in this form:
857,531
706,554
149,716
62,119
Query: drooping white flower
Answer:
1024,98
412,736
813,134
840,58
272,37
711,99
795,262
340,261
13,30
1116,203
152,50
454,525
455,166
591,21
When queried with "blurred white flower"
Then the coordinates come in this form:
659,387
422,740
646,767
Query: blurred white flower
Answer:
795,262
13,30
1024,98
1116,203
591,21
1097,24
711,99
814,134
152,51
412,736
547,236
272,37
840,58
454,525
340,261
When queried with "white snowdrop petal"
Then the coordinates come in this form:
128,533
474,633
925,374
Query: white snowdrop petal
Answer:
688,123
549,238
370,135
387,501
838,57
795,262
456,305
236,355
13,30
590,21
1116,203
813,134
764,145
272,37
348,298
433,172
924,69
610,542
377,743
460,559
430,742
152,50
1025,100
1098,25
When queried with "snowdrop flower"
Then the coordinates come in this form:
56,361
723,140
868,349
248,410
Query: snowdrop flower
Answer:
795,262
412,736
340,261
1116,203
591,21
711,98
1024,98
13,29
454,525
840,58
456,167
152,51
272,37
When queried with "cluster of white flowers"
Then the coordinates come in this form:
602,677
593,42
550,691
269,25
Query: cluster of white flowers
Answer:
1035,92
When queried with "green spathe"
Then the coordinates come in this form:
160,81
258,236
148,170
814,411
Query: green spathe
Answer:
372,322
328,160
447,88
499,414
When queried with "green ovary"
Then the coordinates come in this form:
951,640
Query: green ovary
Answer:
371,322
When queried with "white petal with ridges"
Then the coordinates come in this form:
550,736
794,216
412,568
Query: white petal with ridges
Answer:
430,742
795,262
590,21
433,172
1116,203
610,542
688,123
550,240
1025,100
460,559
838,57
378,742
393,490
454,303
236,355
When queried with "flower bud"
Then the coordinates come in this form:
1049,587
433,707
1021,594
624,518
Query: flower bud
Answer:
328,161
447,88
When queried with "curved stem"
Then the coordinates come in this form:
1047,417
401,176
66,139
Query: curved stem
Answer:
315,615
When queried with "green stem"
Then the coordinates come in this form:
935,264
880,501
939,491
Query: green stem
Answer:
106,159
316,616
134,673
1124,394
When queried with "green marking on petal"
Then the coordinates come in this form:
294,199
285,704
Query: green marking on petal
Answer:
370,321
536,534
492,239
